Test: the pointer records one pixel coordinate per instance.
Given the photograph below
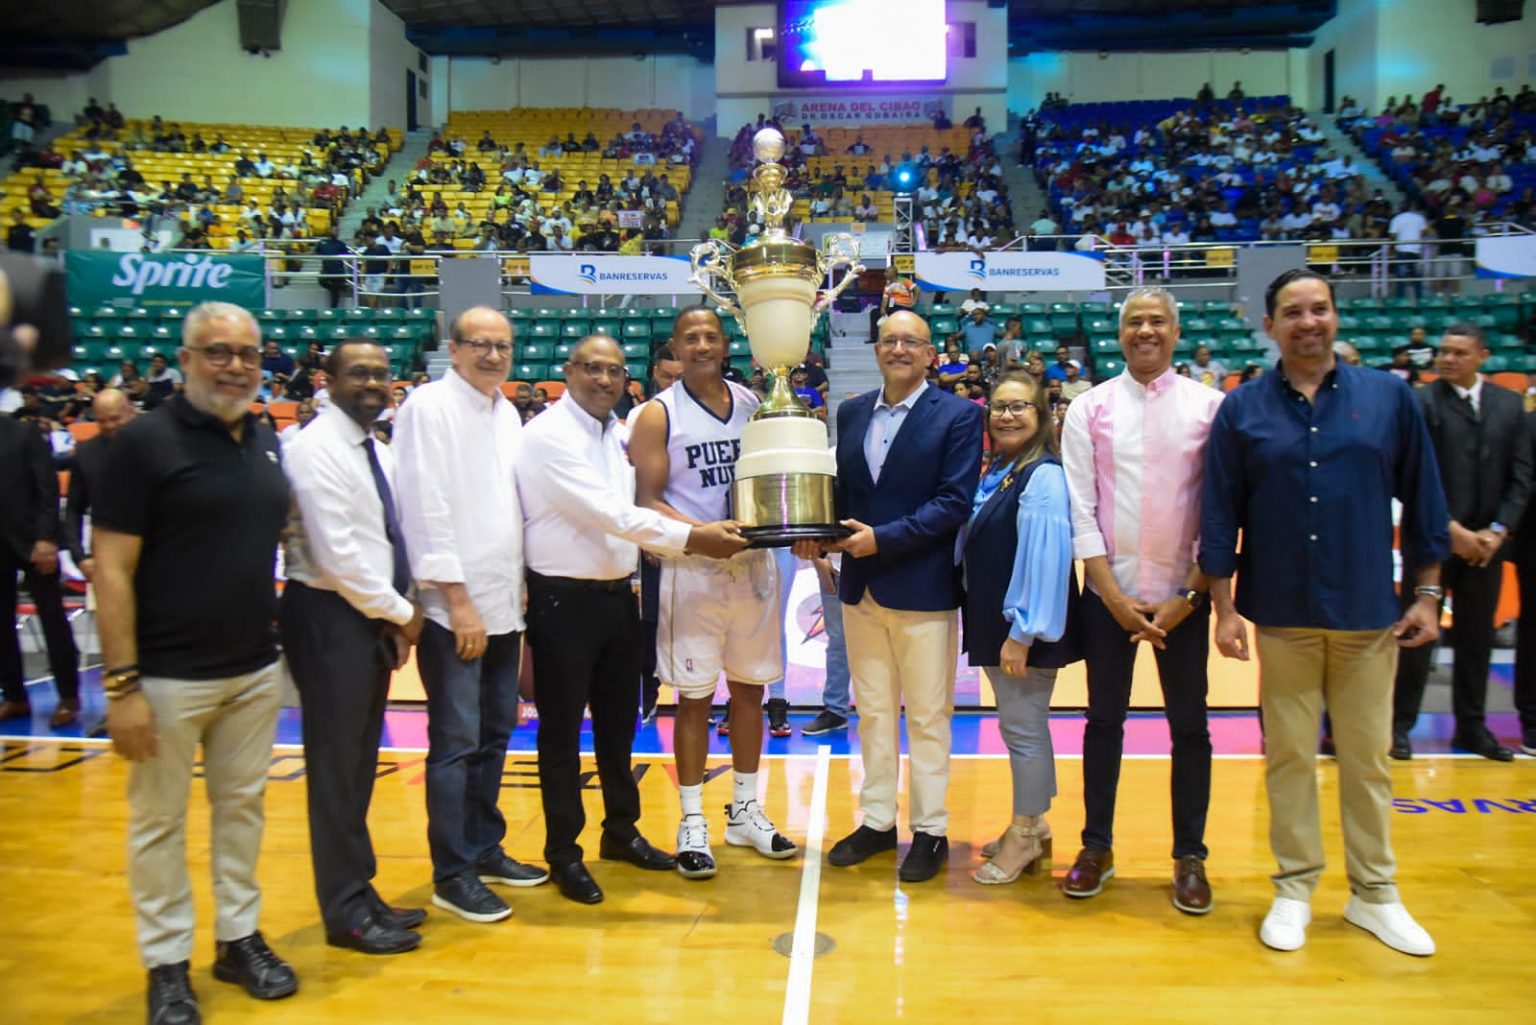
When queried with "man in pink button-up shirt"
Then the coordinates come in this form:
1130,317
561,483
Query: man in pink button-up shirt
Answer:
1134,452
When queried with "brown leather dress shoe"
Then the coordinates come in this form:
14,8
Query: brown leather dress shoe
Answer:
14,710
1094,867
65,714
1191,893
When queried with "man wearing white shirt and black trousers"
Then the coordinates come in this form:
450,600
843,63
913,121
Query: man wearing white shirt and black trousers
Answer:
347,623
455,445
581,532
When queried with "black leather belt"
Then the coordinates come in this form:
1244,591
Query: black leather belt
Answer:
621,585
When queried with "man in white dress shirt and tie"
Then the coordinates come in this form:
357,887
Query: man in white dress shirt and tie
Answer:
455,445
347,623
581,532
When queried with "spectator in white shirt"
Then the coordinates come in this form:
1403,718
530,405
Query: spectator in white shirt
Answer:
264,167
347,622
582,535
455,445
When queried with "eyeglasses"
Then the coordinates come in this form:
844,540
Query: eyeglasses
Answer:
370,375
617,371
900,342
1016,408
220,355
484,347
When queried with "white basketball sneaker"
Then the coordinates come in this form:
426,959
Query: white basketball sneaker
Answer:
694,860
747,826
1392,925
1285,927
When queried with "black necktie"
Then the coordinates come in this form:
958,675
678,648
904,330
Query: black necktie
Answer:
402,573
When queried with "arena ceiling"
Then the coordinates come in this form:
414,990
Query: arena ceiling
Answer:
78,33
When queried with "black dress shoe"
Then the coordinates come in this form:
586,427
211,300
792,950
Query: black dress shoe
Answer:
637,851
252,965
395,918
171,1000
576,883
860,845
1528,741
1484,743
373,935
926,856
1401,749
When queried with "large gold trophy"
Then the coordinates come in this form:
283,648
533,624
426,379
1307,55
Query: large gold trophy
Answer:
783,487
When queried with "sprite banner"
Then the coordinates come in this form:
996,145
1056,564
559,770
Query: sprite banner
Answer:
164,279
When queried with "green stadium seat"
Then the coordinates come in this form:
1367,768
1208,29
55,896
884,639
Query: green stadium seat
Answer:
517,314
636,370
542,329
388,313
606,326
575,328
530,372
943,326
1032,309
536,352
941,310
1109,368
330,316
271,332
336,332
637,328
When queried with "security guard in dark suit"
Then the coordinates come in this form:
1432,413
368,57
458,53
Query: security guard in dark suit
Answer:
30,532
1484,456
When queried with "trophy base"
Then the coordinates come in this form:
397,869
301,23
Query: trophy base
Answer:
784,535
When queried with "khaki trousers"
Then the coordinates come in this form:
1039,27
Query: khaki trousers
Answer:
1352,671
234,719
896,656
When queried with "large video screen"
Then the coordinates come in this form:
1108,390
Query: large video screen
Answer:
861,43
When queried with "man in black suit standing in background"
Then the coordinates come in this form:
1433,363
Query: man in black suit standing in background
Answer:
1484,455
29,544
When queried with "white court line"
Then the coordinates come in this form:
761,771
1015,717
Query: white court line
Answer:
802,954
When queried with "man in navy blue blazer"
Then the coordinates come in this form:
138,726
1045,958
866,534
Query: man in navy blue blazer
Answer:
908,458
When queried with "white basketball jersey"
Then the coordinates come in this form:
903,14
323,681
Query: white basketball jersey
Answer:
702,450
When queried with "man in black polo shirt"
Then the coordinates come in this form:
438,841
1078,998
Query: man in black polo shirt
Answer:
192,501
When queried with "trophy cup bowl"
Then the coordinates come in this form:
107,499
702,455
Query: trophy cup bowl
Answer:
783,489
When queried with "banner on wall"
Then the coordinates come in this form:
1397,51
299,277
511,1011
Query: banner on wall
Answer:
164,279
1506,256
596,274
846,109
1010,272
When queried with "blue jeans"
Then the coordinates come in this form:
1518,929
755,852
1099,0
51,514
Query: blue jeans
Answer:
471,711
787,565
835,691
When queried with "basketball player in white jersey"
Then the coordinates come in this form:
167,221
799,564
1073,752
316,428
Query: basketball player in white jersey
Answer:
715,615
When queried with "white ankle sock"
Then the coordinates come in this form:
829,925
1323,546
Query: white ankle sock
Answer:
692,798
744,787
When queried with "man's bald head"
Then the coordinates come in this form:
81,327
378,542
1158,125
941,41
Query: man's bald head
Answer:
111,410
588,346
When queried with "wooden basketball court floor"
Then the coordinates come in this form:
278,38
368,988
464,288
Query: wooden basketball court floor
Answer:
663,949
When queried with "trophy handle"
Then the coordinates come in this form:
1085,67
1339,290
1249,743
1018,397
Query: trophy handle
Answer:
708,262
841,250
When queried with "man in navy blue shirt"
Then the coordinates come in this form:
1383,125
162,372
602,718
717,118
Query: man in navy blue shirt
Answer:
1305,463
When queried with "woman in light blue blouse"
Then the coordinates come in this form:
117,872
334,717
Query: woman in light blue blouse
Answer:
1020,608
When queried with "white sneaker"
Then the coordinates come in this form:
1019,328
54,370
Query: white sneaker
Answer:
694,859
1391,924
1285,927
747,826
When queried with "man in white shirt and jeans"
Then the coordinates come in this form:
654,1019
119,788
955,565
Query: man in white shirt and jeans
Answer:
581,531
455,445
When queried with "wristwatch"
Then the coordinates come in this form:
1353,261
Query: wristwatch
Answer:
119,683
1498,528
1430,591
1194,597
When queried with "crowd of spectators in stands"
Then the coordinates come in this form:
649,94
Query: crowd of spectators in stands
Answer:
960,200
1479,158
105,177
528,211
1242,170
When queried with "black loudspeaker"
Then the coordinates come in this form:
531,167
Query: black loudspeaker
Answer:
261,25
1497,12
